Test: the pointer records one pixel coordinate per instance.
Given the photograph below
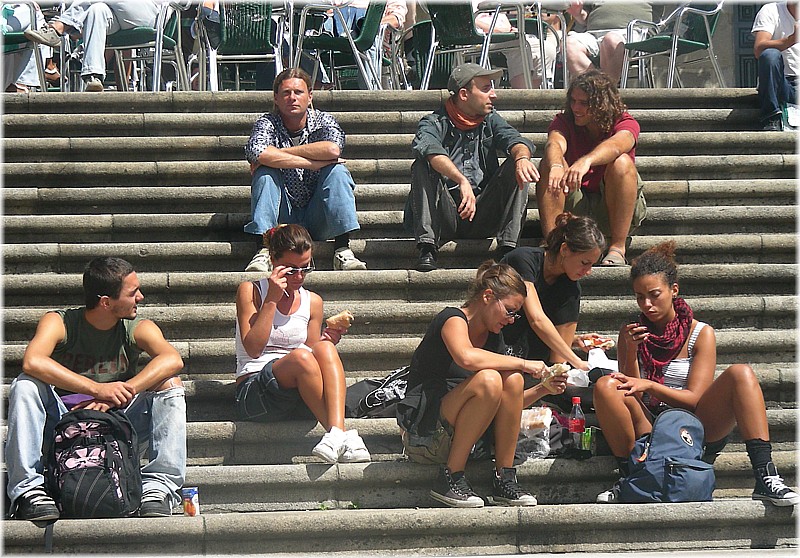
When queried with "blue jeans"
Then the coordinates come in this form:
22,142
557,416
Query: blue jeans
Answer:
330,213
96,20
159,419
774,88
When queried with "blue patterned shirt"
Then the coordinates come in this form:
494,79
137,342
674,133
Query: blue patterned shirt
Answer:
269,130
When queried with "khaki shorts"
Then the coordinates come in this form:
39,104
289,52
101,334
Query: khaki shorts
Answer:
433,449
593,205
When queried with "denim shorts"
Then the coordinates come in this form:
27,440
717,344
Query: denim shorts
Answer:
259,398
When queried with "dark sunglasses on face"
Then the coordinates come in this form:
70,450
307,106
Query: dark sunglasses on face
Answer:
512,315
291,270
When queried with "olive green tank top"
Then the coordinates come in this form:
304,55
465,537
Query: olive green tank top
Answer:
103,356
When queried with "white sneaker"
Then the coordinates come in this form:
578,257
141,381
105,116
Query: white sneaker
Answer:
345,260
92,84
330,446
610,496
260,262
353,449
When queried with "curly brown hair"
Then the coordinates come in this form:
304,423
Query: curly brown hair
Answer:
605,104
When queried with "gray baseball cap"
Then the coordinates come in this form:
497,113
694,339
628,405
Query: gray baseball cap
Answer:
461,75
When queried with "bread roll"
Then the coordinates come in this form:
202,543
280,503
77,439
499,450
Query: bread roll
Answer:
342,320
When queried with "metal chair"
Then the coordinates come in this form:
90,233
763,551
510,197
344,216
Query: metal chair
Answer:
686,30
156,45
247,34
454,32
346,47
535,25
15,41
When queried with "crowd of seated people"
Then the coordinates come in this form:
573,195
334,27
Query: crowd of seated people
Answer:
477,366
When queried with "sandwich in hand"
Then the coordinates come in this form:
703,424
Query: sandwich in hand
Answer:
341,321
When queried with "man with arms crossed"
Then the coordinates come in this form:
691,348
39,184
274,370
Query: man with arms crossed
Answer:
298,176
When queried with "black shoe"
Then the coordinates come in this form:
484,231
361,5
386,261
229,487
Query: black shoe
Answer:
770,487
427,259
506,490
36,505
154,504
454,490
773,124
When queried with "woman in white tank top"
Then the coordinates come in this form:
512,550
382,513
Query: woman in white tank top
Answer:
667,359
285,366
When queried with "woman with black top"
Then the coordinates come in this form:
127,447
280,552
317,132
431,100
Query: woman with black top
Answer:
461,382
551,274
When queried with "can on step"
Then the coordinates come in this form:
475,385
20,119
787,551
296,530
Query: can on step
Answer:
191,501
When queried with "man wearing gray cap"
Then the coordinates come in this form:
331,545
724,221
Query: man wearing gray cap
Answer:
459,189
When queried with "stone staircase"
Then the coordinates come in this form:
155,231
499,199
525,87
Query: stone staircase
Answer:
160,179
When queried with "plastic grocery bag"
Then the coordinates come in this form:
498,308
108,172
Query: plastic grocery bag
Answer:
535,432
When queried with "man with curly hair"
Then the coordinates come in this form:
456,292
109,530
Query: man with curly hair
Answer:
589,167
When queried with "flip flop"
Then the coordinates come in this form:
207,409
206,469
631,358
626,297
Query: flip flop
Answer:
614,258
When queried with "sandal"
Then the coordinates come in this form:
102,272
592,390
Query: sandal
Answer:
614,258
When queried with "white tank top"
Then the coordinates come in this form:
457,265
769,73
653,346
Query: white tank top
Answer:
676,372
289,332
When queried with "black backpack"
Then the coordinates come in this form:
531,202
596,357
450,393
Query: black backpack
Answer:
376,397
93,465
665,465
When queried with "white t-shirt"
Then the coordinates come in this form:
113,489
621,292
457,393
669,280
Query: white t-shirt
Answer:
775,19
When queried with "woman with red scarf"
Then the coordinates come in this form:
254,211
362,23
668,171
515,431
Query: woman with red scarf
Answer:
667,359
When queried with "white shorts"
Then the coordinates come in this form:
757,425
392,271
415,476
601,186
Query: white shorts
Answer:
591,40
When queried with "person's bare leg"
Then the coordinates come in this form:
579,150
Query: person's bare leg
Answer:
299,369
506,421
333,382
621,185
621,418
735,398
612,51
470,408
550,205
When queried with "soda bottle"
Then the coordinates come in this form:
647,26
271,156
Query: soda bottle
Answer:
577,422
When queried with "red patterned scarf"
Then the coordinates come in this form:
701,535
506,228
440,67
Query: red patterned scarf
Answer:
658,350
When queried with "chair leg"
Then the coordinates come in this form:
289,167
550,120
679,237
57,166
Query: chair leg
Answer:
712,55
626,61
426,76
122,77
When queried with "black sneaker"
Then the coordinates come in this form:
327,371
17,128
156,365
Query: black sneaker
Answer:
506,490
773,124
427,258
454,490
155,504
770,487
36,505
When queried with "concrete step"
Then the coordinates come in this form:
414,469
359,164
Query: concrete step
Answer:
260,101
369,197
210,400
400,285
166,227
365,170
401,484
392,318
724,524
394,145
397,254
375,356
244,443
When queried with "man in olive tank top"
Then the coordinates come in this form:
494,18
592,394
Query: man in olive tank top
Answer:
87,357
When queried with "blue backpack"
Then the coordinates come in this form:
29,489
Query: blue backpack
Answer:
665,465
